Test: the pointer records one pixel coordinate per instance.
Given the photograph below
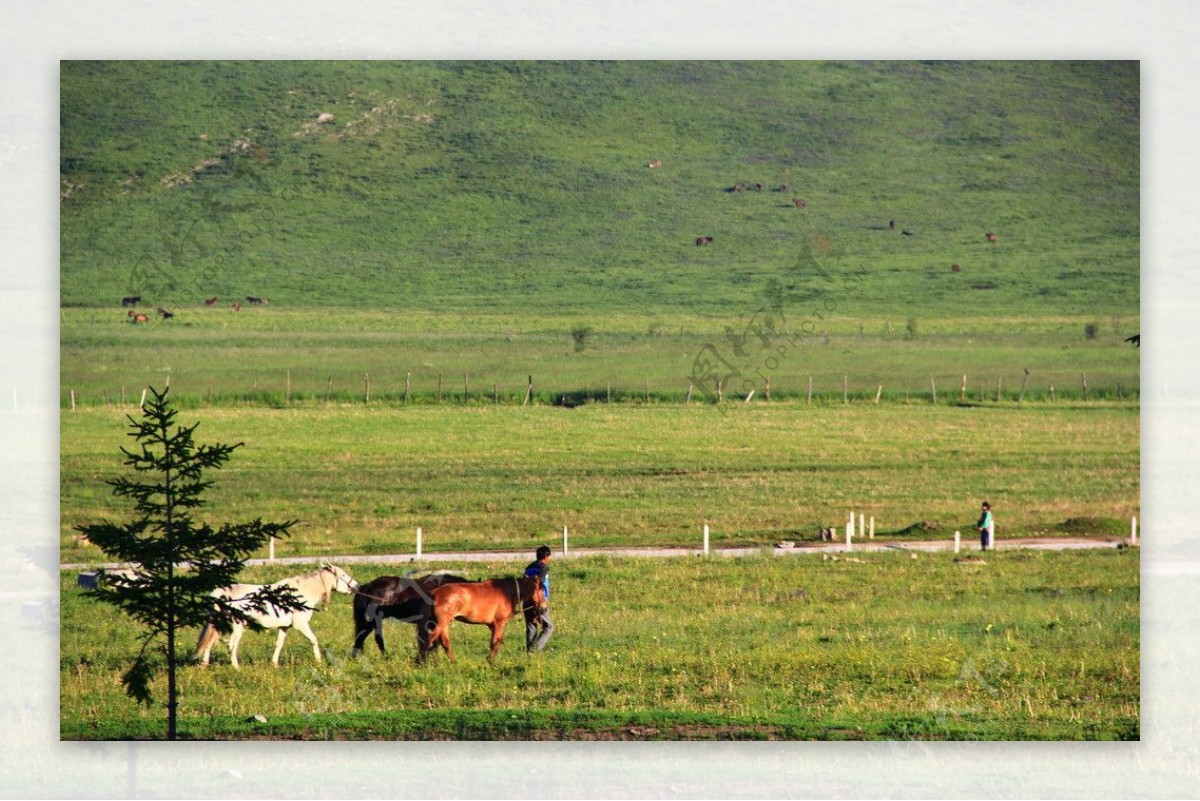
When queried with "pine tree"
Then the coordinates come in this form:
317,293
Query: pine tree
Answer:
177,561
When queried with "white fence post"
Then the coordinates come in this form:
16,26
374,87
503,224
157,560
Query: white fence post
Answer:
850,536
871,529
957,542
1133,540
564,540
271,550
706,539
850,527
420,536
862,525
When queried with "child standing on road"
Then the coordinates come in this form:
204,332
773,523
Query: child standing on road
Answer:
987,528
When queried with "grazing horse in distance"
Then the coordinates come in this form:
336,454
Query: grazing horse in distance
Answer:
954,268
799,202
490,603
990,236
131,300
136,317
257,301
703,240
211,301
237,307
311,590
654,165
401,597
167,314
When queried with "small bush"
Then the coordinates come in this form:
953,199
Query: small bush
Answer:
581,334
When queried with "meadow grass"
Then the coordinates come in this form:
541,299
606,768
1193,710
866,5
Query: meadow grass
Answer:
361,479
521,187
1027,645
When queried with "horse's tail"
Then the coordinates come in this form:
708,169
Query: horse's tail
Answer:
208,635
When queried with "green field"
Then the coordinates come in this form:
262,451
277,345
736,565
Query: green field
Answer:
432,235
1023,646
362,479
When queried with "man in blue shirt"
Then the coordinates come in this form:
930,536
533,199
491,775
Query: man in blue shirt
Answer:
539,569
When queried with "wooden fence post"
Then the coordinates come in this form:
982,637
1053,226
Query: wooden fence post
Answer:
962,395
271,550
439,387
407,384
809,391
420,544
466,387
1133,535
564,553
1051,393
287,395
862,524
957,542
767,389
706,539
141,403
328,388
871,529
933,389
720,390
845,389
749,395
1024,381
366,387
528,392
878,393
496,393
1083,378
73,399
686,400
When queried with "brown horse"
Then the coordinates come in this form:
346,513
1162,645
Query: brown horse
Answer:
404,598
490,603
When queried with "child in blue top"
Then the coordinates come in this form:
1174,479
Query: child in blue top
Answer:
987,528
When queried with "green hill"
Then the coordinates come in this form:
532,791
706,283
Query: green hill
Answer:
515,186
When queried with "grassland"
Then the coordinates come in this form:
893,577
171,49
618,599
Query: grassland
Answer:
445,231
523,188
1024,646
362,479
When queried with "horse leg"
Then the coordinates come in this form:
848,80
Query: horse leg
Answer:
234,639
208,635
278,646
302,627
379,631
497,638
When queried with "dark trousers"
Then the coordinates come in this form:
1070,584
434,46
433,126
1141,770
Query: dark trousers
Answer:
533,640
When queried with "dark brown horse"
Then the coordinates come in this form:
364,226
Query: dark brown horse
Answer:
404,598
490,603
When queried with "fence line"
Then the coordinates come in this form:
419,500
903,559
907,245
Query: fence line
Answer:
293,388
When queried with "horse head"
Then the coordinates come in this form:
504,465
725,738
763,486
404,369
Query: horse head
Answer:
537,597
342,581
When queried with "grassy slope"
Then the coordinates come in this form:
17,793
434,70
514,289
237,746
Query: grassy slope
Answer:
523,187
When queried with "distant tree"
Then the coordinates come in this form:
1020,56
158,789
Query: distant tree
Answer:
177,563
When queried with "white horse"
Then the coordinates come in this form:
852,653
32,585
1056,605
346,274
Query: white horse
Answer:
311,589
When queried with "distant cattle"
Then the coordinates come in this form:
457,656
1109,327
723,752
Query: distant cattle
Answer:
210,301
131,300
703,240
654,165
954,268
166,314
990,236
136,317
892,224
256,301
237,307
907,232
799,202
